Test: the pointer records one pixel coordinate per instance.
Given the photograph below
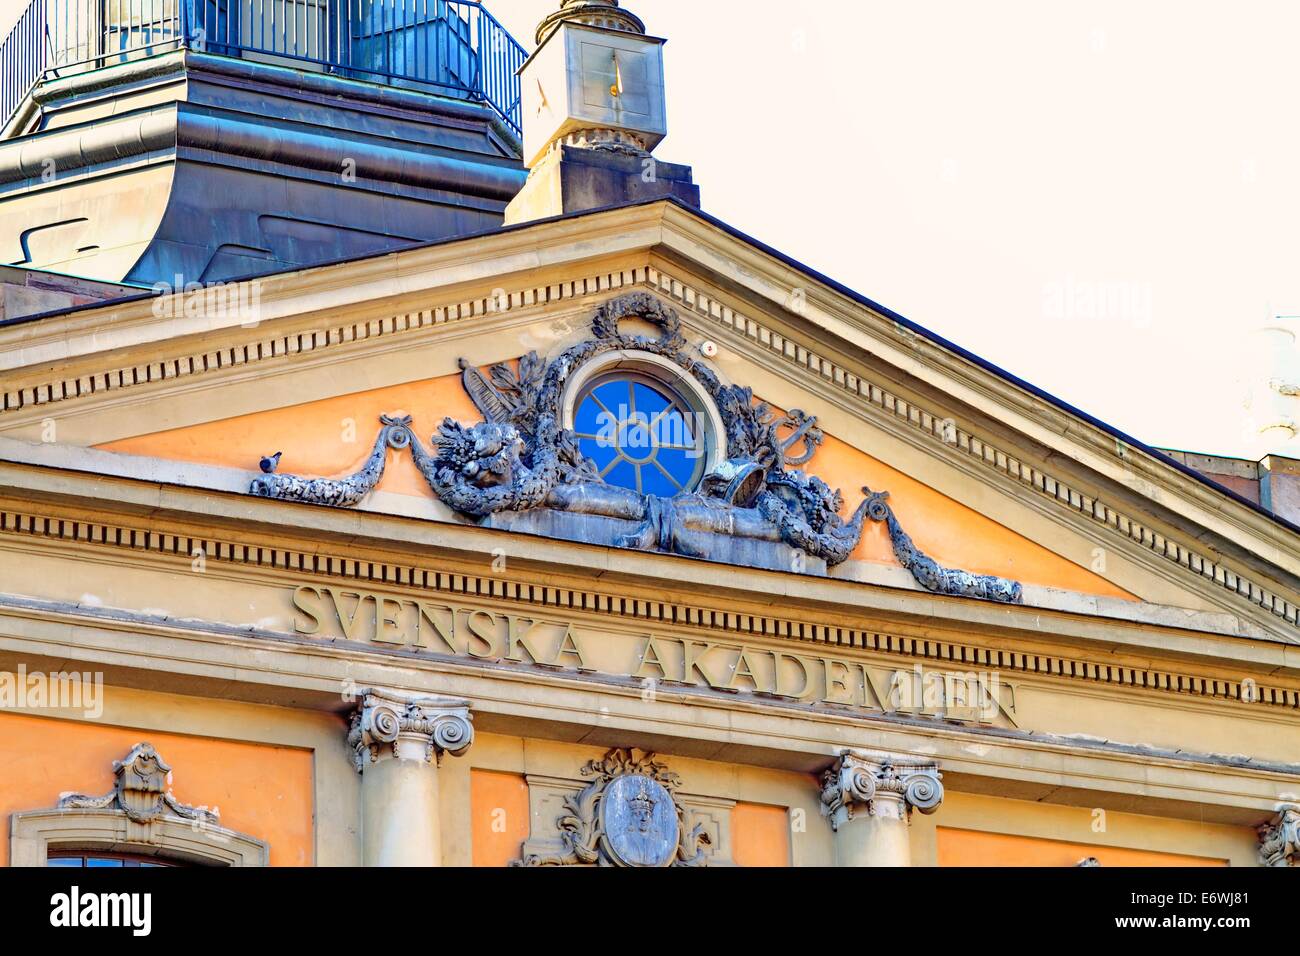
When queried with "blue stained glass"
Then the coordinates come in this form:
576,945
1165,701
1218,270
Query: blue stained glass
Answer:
675,462
599,451
612,394
622,474
655,482
587,419
648,401
640,436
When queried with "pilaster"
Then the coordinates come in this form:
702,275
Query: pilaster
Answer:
398,742
870,797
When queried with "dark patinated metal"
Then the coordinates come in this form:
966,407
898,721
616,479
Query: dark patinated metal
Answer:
521,468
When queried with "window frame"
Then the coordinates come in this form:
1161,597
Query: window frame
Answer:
33,833
668,376
676,401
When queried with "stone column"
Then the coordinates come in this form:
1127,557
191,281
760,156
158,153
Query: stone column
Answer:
398,742
870,797
1279,840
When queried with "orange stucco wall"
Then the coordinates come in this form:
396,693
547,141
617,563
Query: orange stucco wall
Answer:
975,848
760,835
264,791
312,438
498,816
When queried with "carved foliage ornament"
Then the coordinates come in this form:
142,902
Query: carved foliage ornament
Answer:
627,816
140,791
521,458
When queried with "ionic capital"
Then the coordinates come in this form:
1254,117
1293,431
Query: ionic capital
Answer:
879,784
1279,840
387,723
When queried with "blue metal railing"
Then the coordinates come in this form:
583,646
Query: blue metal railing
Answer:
22,57
454,46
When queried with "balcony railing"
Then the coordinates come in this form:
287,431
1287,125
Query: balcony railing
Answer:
455,47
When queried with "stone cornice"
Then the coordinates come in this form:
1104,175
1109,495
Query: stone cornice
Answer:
269,539
369,284
829,311
295,673
360,290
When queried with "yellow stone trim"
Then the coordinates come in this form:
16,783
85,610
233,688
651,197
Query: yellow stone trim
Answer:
312,340
712,621
936,429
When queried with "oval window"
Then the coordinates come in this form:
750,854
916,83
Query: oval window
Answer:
640,433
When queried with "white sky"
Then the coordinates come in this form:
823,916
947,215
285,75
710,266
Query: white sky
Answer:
995,170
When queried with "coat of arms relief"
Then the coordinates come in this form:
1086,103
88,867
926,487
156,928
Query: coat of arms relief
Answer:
629,815
528,466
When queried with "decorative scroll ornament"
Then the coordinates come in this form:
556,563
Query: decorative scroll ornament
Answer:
140,791
440,725
928,572
627,816
339,492
879,785
753,509
1279,841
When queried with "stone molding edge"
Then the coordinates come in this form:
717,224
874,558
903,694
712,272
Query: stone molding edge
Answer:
921,730
946,431
447,584
936,430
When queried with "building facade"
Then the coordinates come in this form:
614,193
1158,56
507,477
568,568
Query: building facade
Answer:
598,535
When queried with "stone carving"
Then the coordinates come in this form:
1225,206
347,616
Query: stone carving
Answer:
442,725
755,508
627,816
140,791
339,492
879,784
1279,840
928,572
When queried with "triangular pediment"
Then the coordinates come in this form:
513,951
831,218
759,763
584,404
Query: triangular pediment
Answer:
982,476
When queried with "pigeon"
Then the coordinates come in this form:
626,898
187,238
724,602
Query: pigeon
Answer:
269,464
